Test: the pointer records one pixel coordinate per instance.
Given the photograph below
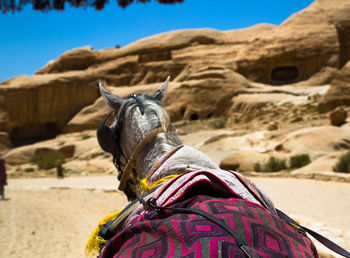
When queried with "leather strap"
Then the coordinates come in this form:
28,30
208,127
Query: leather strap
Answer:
325,241
248,186
114,226
127,173
242,244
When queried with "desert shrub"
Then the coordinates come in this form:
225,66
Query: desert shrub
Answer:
257,167
29,170
218,123
86,136
272,165
298,161
47,159
275,165
249,117
310,108
343,164
236,120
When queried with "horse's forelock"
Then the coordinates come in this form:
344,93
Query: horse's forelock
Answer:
154,115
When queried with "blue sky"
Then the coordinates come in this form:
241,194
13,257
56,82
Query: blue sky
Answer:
30,39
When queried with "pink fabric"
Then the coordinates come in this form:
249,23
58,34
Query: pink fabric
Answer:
203,228
177,234
225,181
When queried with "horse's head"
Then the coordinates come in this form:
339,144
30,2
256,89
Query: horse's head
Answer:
140,133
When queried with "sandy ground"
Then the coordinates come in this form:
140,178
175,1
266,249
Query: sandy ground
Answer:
41,222
54,218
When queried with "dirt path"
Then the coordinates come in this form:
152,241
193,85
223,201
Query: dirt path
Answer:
39,221
52,223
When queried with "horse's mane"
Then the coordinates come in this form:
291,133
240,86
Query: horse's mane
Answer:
154,116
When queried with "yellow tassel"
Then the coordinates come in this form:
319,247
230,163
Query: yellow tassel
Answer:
145,187
93,245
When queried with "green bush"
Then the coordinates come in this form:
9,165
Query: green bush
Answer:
275,165
29,170
272,165
343,165
298,161
218,123
47,159
236,120
85,136
257,167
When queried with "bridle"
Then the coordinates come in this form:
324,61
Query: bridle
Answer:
109,140
128,173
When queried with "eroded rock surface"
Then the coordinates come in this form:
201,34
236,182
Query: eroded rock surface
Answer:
233,84
339,92
38,107
310,45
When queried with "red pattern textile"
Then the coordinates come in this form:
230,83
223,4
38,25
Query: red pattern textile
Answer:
169,234
224,182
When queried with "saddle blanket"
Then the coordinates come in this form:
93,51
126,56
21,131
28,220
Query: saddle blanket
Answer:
152,233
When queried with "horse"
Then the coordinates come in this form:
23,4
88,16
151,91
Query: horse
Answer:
182,203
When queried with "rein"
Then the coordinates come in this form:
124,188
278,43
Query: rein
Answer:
128,174
151,204
109,140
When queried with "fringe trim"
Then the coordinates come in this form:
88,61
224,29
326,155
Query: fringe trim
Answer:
92,247
145,187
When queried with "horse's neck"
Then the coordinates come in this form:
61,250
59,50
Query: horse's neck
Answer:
139,127
182,160
160,145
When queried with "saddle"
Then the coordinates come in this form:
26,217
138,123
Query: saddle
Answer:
150,203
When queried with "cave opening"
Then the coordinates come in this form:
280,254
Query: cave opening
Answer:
284,74
32,133
194,117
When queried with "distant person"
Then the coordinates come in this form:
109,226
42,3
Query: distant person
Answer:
2,178
59,170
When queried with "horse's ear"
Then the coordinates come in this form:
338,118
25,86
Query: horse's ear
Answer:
159,94
114,102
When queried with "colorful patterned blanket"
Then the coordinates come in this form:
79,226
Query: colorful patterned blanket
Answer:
170,234
229,197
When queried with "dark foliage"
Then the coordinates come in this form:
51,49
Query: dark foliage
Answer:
299,161
47,5
47,159
343,164
272,165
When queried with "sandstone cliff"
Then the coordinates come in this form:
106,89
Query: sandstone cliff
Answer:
213,74
203,61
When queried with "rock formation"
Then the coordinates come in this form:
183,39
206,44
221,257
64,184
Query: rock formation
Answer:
339,93
37,107
338,116
203,61
213,73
